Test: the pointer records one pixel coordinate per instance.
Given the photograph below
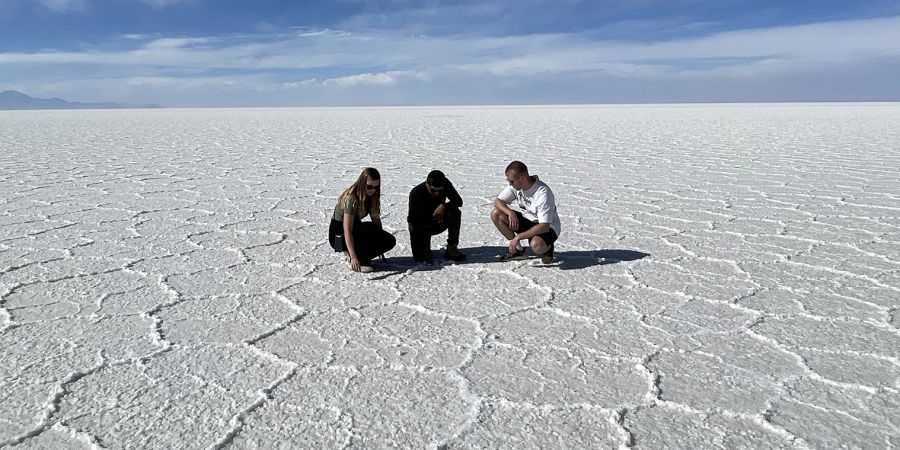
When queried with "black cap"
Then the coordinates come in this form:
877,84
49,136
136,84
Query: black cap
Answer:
436,178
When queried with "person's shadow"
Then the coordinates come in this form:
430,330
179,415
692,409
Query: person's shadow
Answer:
568,260
565,260
582,259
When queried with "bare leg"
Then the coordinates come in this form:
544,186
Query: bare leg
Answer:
502,223
538,245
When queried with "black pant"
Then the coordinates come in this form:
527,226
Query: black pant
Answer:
420,233
370,241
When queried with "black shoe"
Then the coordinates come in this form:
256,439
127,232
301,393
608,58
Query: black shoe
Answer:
547,257
452,253
427,258
519,254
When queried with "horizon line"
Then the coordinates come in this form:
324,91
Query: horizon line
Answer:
464,106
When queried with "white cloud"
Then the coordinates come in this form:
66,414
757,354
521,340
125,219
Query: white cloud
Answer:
374,79
164,3
135,37
793,47
840,40
189,83
378,59
175,43
299,84
62,6
390,78
309,32
504,56
146,89
260,83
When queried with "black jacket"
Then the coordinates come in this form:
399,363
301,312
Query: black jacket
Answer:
422,204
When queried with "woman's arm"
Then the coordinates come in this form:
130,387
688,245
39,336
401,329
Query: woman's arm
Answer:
348,238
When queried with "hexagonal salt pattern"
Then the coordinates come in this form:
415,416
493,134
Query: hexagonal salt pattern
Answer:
727,277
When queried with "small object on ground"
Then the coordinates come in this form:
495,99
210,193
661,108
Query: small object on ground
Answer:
452,253
547,257
518,255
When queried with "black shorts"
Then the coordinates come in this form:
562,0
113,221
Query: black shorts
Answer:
524,225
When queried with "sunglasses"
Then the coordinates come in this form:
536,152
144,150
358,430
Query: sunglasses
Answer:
514,179
373,187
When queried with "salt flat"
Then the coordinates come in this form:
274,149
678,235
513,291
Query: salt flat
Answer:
728,276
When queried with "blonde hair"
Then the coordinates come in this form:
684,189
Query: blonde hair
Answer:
358,191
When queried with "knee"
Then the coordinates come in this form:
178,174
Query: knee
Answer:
495,214
538,245
416,231
389,241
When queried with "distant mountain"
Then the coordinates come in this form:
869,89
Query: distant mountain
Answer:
18,100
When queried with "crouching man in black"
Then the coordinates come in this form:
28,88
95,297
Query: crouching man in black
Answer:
434,208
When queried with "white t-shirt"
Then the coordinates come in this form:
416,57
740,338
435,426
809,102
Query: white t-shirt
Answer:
537,204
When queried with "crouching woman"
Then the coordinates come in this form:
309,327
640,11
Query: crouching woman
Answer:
362,241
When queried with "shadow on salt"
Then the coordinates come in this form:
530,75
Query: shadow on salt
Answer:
563,260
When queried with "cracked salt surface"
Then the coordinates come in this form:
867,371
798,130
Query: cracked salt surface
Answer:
728,276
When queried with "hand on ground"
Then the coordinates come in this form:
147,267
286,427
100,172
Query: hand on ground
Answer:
514,244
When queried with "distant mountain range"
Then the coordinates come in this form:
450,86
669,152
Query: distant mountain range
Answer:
18,100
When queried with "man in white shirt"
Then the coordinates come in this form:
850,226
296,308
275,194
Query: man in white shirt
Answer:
537,222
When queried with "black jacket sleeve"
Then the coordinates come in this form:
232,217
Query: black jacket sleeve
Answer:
419,206
452,195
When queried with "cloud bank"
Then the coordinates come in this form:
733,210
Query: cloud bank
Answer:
309,65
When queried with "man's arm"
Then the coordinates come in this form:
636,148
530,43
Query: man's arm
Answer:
351,243
503,206
511,218
534,231
454,199
419,209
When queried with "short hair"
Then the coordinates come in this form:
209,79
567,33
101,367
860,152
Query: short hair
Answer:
517,167
436,178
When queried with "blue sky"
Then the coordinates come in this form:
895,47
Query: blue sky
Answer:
405,52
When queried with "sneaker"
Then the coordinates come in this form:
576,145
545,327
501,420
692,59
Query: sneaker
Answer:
519,254
452,253
547,258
